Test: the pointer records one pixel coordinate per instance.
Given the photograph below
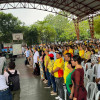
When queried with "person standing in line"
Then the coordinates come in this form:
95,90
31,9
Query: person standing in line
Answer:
27,54
23,50
78,91
31,57
46,61
81,52
70,50
50,68
58,74
41,66
76,51
36,62
66,69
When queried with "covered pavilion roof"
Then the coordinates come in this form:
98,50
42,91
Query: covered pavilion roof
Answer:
82,9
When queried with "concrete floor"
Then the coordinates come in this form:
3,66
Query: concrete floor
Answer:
32,88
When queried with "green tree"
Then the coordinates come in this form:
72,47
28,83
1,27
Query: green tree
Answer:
31,35
46,32
8,25
84,30
97,26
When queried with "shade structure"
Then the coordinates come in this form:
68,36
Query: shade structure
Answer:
80,8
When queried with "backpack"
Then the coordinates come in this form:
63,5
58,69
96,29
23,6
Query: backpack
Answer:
13,81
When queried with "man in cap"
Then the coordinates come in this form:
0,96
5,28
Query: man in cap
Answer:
58,74
50,68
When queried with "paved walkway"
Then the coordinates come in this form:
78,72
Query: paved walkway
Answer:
32,88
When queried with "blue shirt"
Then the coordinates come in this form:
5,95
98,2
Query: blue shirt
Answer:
27,53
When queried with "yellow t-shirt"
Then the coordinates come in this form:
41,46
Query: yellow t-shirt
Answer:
96,50
59,63
87,54
43,49
71,51
66,71
65,52
50,65
46,59
81,53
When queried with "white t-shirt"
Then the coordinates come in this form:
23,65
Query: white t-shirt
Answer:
23,49
35,56
27,53
3,82
11,71
98,72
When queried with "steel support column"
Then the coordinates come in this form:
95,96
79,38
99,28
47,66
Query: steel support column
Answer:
91,25
76,24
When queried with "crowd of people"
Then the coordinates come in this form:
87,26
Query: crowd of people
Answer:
58,65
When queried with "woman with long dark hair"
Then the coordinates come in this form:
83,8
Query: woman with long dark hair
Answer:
78,91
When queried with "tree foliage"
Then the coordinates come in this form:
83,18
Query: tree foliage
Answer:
8,25
52,28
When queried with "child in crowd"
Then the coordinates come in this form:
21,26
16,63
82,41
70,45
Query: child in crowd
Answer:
12,79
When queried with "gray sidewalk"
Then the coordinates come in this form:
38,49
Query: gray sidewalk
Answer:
32,88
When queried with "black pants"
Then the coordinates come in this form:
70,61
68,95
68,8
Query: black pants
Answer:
98,86
44,71
26,61
36,70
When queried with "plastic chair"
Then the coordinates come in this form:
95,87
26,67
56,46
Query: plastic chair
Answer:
82,63
88,65
95,67
86,80
89,74
91,88
97,95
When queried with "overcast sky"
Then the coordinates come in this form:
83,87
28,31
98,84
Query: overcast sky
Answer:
28,16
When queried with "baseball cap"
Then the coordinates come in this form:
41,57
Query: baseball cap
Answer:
51,55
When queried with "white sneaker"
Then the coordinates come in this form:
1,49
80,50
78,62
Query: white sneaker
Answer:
47,87
57,97
60,99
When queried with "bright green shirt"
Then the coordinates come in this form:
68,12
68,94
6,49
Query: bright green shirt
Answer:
69,81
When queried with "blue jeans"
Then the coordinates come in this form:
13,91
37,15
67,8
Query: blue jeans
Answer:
48,77
5,95
53,82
